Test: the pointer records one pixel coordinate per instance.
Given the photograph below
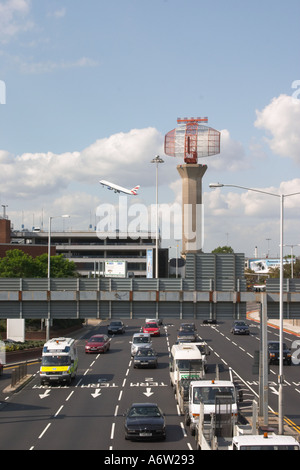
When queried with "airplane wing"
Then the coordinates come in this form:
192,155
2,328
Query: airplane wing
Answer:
119,189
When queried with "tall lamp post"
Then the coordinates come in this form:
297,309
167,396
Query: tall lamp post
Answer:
156,160
49,267
280,376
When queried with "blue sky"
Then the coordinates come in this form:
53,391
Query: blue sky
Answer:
92,88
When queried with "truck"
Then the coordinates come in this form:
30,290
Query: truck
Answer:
59,361
264,442
218,399
186,364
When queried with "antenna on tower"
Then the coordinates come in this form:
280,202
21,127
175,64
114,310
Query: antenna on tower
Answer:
192,140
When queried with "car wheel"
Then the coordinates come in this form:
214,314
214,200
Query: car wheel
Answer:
187,419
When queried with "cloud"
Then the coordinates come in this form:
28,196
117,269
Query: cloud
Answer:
235,203
232,156
122,158
60,13
281,120
50,66
14,18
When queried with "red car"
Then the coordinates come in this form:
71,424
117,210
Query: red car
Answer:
152,328
97,344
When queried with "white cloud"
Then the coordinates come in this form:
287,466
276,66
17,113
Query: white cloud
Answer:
123,158
281,119
235,203
14,18
232,156
60,13
51,66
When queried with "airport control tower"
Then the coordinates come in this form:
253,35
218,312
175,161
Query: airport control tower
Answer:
192,140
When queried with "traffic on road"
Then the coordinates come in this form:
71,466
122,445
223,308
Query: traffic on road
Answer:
95,410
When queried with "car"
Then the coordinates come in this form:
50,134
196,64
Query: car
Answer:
145,421
240,328
187,327
187,336
187,333
152,328
116,327
1,368
159,321
140,340
97,344
145,357
273,353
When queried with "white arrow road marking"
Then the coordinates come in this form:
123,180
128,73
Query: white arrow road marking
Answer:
97,393
273,389
148,392
46,394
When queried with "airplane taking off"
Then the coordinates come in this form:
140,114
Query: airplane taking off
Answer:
119,189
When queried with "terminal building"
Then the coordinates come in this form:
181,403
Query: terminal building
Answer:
89,250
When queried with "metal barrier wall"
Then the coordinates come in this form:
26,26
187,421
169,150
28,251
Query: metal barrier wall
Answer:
214,288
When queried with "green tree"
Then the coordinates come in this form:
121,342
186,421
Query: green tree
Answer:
223,249
59,266
16,263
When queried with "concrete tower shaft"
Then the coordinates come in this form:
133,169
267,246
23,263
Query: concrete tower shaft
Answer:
192,208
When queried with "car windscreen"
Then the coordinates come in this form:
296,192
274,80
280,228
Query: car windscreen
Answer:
146,352
150,411
141,340
56,360
98,339
189,364
275,346
208,394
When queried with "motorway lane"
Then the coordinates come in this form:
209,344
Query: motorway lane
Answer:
238,353
152,385
88,414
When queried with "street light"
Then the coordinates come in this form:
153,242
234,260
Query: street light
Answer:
156,160
280,376
48,271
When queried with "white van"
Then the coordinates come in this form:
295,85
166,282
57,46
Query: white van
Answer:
59,361
264,442
140,340
185,363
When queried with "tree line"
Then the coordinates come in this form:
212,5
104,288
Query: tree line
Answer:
16,263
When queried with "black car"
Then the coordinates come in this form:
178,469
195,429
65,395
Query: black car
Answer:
186,336
145,357
273,353
240,328
187,327
116,327
145,421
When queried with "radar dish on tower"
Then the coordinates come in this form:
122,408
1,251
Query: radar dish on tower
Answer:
192,140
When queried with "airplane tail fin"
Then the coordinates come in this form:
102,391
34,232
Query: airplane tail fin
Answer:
135,190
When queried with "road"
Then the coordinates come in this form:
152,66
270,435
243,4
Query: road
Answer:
88,414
